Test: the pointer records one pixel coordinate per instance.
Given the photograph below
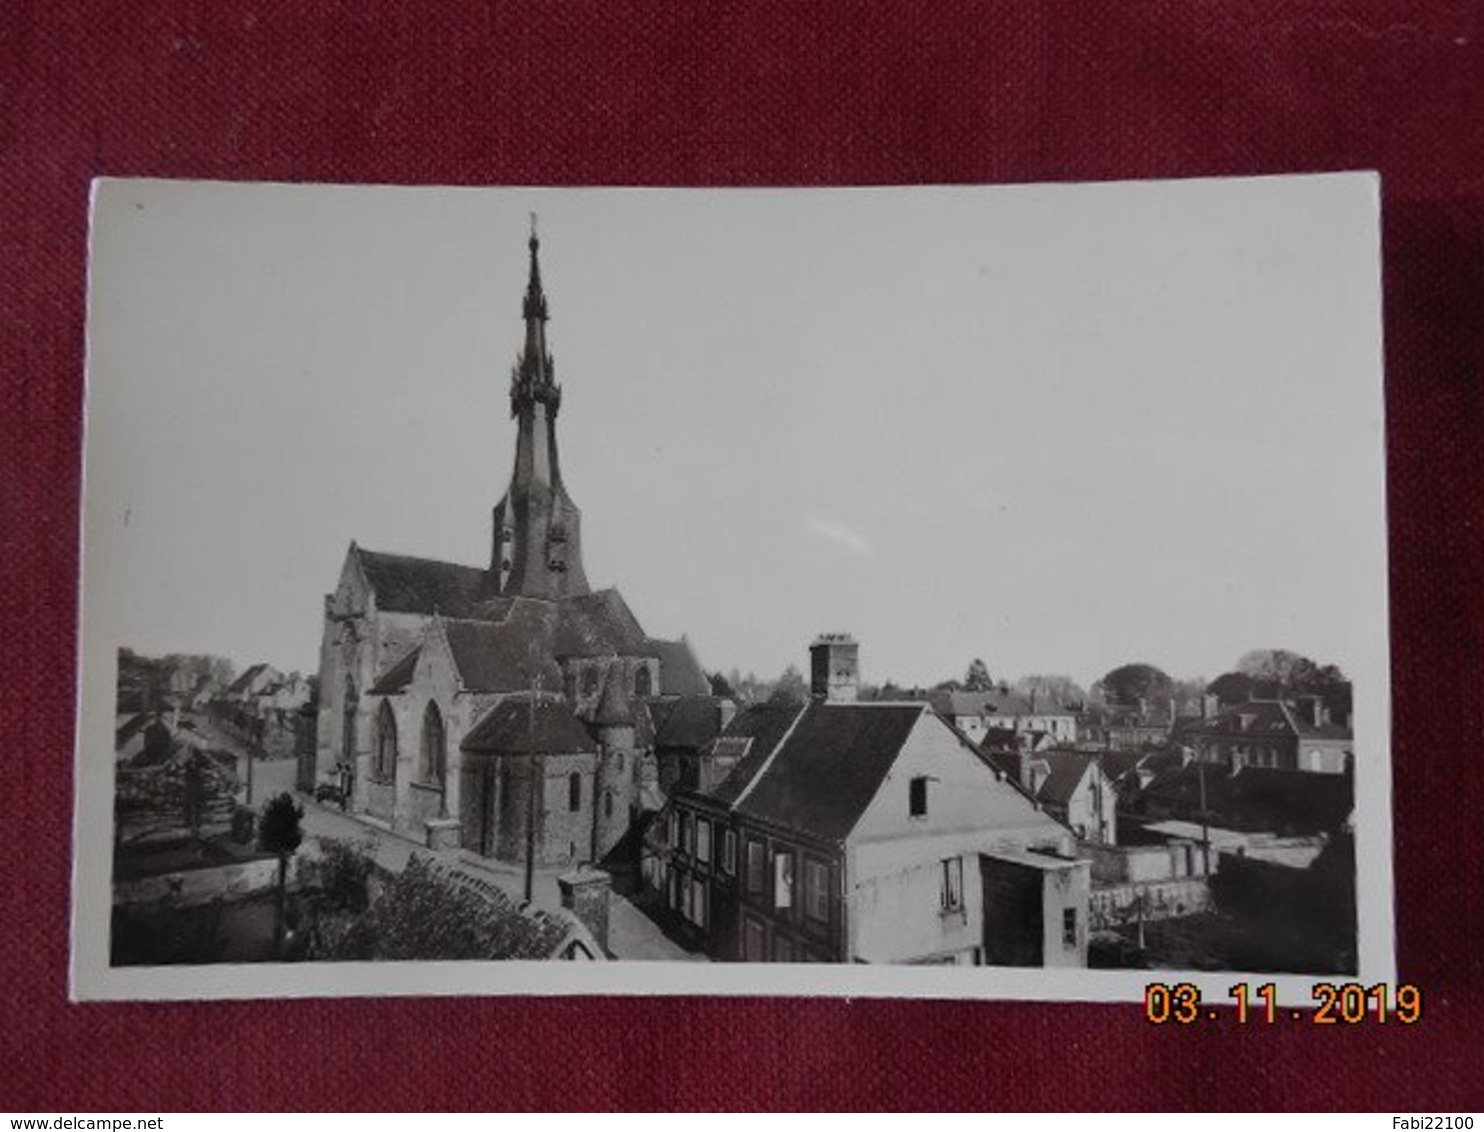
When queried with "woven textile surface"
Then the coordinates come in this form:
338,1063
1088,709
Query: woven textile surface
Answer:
748,94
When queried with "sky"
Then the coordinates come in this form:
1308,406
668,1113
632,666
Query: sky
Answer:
1059,428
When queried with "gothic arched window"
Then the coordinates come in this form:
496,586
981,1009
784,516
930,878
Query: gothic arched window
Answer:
607,805
435,753
386,743
642,681
348,722
574,791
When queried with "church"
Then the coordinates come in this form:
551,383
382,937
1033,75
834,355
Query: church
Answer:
507,708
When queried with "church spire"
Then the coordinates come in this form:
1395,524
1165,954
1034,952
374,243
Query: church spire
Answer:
534,376
537,536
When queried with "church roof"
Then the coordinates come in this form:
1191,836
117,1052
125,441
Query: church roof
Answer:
613,705
502,656
396,678
680,672
598,623
423,585
506,728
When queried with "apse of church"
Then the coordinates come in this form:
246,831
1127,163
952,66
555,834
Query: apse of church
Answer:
448,690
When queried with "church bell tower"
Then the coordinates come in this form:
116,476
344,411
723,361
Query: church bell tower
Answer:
537,527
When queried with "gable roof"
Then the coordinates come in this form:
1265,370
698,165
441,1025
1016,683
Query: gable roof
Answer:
829,767
245,681
1266,718
506,728
680,672
1066,769
989,703
423,585
396,678
687,721
764,725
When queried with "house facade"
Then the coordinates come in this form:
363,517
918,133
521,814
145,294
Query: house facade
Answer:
998,709
866,832
1296,735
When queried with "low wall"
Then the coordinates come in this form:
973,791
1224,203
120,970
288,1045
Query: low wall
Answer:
1117,905
201,886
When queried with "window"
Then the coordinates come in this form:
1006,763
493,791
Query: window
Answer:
754,940
569,684
688,833
953,884
574,791
757,865
783,880
917,797
434,750
817,890
703,840
1069,927
386,743
589,680
672,830
729,852
607,804
686,895
642,682
698,903
783,949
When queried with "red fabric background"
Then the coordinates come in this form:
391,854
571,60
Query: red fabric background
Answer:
596,93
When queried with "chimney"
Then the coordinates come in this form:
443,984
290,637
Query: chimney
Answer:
1209,706
834,668
726,711
1143,709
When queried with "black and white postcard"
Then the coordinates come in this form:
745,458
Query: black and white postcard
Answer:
938,592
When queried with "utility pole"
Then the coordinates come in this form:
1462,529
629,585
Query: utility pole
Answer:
532,786
1200,766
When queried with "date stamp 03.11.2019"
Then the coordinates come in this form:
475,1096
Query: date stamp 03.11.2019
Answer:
1348,1004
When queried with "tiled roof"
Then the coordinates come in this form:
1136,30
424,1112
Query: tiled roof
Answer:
396,678
765,725
680,671
596,624
506,728
990,703
503,656
1118,763
613,705
1066,771
423,585
829,767
243,682
1265,718
688,721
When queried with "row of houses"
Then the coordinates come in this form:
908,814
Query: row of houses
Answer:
970,828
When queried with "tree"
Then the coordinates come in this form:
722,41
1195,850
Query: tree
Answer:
280,833
1051,688
978,679
1130,683
1232,688
791,688
720,686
